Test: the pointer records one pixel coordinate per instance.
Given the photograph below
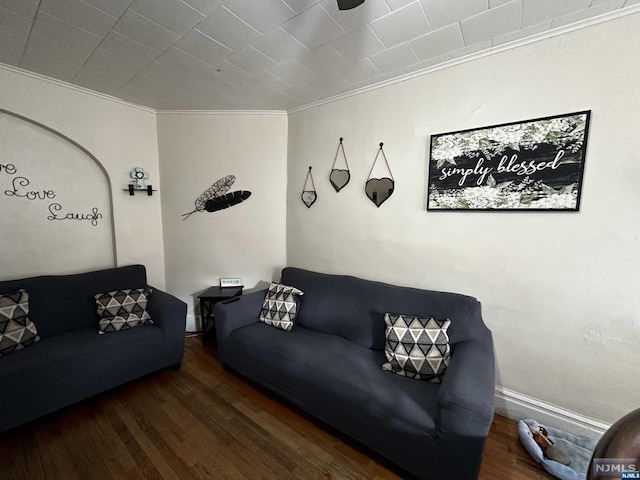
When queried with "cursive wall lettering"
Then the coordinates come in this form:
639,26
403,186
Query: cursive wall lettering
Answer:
9,169
20,185
92,217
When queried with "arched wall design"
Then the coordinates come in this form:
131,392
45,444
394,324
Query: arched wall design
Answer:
56,207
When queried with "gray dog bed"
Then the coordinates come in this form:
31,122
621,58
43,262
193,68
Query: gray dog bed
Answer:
578,448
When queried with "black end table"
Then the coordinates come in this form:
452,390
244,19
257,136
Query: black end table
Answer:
208,299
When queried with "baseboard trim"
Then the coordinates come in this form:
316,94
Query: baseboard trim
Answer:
517,406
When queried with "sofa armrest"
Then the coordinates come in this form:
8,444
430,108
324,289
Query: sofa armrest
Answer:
236,314
466,395
169,313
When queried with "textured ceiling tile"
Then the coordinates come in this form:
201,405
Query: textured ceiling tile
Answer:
227,29
357,44
231,73
202,47
292,72
303,91
537,11
267,82
600,9
172,14
105,60
14,32
112,7
329,83
140,89
441,14
497,3
128,50
322,58
178,60
356,17
142,30
401,25
595,3
313,27
475,48
66,34
396,4
263,15
300,6
251,60
101,80
49,67
280,45
423,65
39,45
438,43
206,7
26,8
394,58
358,71
495,22
80,14
525,32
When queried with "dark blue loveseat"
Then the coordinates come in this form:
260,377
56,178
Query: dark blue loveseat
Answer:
71,361
330,366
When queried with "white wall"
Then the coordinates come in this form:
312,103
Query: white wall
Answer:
121,137
559,290
247,240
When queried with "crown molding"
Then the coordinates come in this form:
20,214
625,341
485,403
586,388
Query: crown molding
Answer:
441,66
61,83
222,112
474,56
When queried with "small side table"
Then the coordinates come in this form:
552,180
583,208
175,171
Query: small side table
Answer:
208,299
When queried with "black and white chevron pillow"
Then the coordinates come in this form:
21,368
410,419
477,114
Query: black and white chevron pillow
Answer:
16,329
417,347
122,309
280,306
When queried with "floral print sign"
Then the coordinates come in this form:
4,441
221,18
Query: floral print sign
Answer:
532,165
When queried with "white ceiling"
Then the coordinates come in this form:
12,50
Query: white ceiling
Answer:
261,54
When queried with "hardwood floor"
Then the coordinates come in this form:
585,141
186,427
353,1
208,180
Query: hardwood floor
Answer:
206,423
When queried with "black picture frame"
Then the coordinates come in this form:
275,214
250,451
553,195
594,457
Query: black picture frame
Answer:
530,165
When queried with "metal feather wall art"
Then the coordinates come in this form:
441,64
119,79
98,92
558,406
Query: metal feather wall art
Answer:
216,197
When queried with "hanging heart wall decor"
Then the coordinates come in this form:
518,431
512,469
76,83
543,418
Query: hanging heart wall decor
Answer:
379,190
339,177
309,195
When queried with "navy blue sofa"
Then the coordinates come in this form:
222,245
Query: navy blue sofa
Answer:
330,366
72,362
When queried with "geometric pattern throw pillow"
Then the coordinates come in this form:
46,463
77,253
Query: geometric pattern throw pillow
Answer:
417,347
16,329
280,306
122,309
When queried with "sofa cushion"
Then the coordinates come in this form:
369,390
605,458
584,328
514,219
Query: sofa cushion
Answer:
16,329
60,303
280,306
122,309
334,378
417,347
363,303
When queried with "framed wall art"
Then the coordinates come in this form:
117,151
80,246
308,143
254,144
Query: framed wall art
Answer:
532,165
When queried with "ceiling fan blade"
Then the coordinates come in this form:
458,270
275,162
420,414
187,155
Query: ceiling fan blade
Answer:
348,4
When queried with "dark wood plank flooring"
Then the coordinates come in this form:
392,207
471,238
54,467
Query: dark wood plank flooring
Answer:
206,423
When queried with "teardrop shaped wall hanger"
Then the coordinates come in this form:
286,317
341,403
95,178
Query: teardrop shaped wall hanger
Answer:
340,177
309,196
379,190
